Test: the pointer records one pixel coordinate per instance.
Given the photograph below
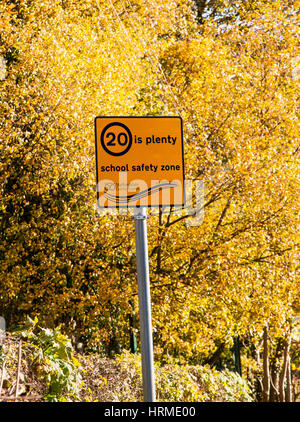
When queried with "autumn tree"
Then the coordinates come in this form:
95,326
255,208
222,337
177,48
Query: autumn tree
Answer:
238,270
228,68
65,63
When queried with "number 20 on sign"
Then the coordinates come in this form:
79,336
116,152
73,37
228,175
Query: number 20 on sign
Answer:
139,161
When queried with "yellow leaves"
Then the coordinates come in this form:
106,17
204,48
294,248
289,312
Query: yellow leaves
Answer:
75,362
67,63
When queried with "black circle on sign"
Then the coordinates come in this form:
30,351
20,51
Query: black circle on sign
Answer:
129,139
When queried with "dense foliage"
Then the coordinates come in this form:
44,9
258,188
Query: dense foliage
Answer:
43,362
230,70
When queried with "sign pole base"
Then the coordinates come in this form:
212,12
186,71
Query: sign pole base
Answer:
142,262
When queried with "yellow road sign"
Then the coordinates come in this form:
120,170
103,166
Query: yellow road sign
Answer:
139,161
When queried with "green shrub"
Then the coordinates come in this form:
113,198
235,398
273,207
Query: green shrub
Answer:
53,360
185,383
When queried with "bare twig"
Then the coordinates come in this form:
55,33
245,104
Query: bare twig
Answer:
2,375
19,367
23,398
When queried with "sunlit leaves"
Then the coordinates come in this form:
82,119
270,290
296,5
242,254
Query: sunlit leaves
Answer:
231,77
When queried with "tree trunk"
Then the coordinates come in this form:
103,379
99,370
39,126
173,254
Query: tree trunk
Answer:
200,7
237,355
266,371
274,373
274,394
284,371
288,396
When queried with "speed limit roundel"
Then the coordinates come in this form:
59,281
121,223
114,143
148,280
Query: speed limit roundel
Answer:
116,139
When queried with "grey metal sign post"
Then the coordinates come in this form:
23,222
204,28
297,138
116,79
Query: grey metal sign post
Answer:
130,149
142,262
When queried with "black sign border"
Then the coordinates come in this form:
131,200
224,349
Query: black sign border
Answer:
182,150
